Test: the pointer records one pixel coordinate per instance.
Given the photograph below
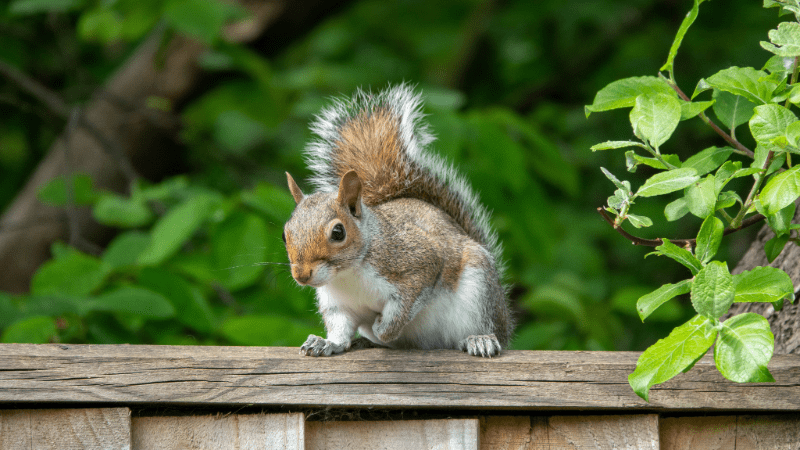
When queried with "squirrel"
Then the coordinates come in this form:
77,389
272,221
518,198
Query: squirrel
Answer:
394,241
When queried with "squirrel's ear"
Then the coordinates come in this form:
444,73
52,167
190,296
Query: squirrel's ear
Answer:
294,189
350,192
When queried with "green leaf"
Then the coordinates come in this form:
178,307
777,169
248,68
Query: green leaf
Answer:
31,330
611,145
763,284
118,211
781,221
650,302
780,191
770,122
732,110
623,93
701,87
744,348
639,221
632,160
195,311
132,300
666,182
709,238
793,133
725,173
687,22
701,198
692,109
55,192
778,65
785,40
676,209
267,330
707,160
774,246
236,132
29,7
201,19
76,274
744,81
681,255
274,203
176,227
670,356
726,200
239,249
712,290
654,117
124,250
624,185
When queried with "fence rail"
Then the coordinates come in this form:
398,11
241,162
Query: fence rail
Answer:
159,397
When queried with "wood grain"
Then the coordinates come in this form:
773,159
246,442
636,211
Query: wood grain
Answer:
220,432
440,379
638,432
444,434
769,432
65,429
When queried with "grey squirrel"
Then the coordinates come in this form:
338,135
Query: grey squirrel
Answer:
394,240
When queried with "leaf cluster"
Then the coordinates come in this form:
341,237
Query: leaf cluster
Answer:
764,99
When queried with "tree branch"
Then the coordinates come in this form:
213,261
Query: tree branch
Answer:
679,242
728,138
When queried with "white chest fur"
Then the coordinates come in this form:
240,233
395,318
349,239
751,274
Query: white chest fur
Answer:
358,292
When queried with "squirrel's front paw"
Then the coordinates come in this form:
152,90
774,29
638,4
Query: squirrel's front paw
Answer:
380,329
484,345
317,346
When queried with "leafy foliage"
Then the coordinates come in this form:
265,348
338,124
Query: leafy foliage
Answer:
744,343
505,89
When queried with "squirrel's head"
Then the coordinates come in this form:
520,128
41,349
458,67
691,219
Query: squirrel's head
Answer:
323,237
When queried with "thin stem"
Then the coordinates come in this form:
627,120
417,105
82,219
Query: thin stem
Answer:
656,154
756,186
679,242
737,146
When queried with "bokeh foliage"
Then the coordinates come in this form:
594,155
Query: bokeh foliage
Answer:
199,257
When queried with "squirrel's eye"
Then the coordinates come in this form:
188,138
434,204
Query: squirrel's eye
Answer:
283,236
337,233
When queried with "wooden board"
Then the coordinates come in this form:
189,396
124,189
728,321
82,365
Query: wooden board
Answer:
441,379
726,432
570,432
220,432
65,429
444,434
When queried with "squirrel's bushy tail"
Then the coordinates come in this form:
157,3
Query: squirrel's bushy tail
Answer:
384,139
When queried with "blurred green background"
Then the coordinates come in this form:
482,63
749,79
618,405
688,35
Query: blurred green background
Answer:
199,259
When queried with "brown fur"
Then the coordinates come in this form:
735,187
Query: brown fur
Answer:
370,145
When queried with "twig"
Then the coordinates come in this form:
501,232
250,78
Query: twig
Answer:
679,242
728,138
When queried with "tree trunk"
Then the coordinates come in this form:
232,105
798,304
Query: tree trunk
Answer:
118,135
785,323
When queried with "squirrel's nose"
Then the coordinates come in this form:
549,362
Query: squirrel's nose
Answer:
302,276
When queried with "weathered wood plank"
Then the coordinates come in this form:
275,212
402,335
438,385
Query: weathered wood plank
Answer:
727,432
445,434
708,433
220,432
516,380
66,429
638,432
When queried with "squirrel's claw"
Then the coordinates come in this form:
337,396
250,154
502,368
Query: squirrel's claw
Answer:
317,346
484,345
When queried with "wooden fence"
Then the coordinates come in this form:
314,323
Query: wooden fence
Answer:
168,397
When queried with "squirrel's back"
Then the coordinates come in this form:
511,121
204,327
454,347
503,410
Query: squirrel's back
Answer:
384,139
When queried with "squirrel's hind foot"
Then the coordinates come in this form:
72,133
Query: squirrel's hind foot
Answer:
485,345
317,346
